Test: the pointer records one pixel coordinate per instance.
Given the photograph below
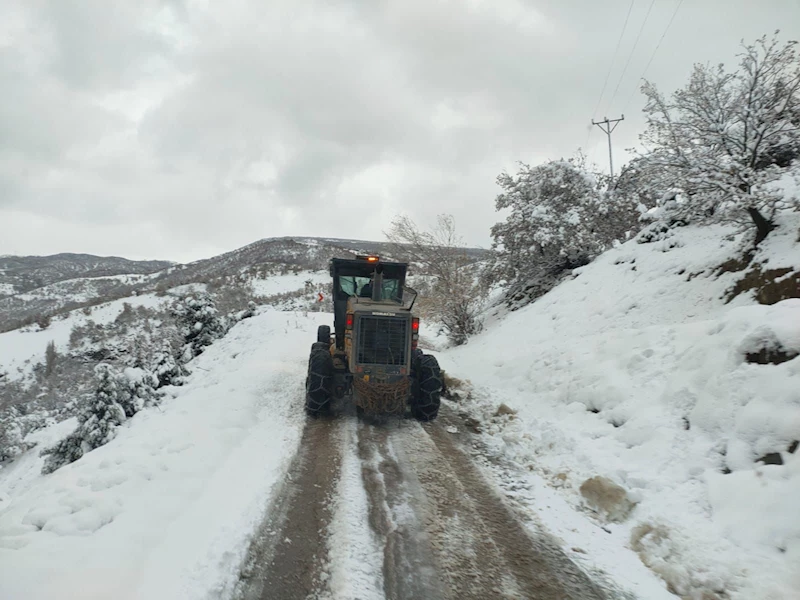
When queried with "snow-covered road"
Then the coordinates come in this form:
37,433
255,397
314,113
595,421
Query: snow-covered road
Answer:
400,510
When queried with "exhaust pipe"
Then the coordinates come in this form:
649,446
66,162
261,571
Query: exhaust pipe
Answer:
377,284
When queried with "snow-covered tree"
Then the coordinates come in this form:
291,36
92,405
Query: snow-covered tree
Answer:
454,295
559,219
11,436
726,136
136,390
98,419
166,368
199,322
15,425
50,358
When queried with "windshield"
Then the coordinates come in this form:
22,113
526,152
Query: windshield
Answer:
353,285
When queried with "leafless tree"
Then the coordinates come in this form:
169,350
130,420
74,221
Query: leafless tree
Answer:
455,295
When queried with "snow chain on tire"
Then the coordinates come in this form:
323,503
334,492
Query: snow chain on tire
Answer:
319,381
427,388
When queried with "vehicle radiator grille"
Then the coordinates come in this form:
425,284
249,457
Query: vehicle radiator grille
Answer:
381,341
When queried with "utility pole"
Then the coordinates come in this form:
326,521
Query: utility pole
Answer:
607,127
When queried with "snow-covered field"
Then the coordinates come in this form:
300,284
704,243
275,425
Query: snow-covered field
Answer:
635,370
167,509
282,283
21,349
82,289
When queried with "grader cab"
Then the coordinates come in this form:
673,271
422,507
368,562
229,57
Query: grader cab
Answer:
372,355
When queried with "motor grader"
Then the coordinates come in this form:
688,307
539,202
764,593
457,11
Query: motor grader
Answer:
372,356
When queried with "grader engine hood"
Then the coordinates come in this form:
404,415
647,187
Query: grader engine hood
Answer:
380,341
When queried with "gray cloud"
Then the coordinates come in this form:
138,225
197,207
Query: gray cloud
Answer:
198,127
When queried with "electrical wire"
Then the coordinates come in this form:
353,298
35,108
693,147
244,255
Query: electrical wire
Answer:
613,58
630,56
608,74
652,56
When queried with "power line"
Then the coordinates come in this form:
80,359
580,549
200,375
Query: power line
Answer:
608,73
653,55
630,56
613,58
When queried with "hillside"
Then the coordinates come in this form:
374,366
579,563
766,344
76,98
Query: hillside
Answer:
39,286
656,367
20,274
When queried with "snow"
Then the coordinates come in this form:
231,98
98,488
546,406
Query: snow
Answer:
80,289
608,371
356,559
167,509
279,284
634,370
188,289
6,289
21,349
582,540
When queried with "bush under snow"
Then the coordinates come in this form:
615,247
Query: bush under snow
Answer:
199,322
117,397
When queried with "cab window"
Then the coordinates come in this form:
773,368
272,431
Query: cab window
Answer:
352,285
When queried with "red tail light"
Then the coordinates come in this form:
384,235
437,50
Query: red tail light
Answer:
349,322
415,325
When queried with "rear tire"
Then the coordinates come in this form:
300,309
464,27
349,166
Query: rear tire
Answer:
426,388
319,381
324,334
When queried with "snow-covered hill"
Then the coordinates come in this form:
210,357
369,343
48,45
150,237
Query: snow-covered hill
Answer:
19,274
32,288
645,370
167,509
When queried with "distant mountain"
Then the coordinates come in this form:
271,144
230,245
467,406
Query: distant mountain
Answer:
33,286
19,274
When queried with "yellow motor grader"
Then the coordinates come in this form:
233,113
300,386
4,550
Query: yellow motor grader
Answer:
372,355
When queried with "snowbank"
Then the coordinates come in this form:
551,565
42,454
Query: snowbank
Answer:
167,508
637,370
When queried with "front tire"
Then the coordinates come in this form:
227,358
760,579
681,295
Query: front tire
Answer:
324,334
426,388
319,382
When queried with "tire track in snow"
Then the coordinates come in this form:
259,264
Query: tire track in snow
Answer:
355,557
511,563
399,510
288,554
479,547
408,570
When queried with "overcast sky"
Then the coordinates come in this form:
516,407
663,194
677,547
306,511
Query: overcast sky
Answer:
180,129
